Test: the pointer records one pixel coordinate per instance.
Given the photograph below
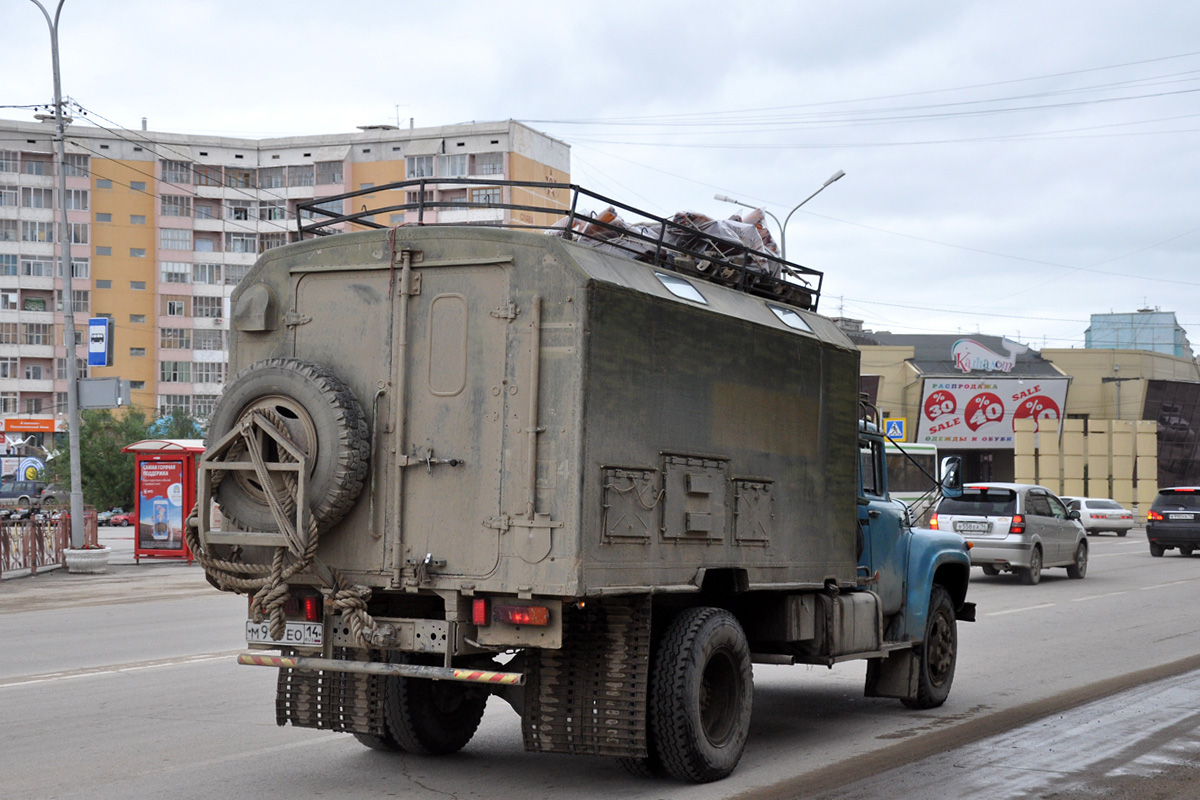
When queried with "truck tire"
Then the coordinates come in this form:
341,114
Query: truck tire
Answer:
701,691
1077,569
937,654
432,718
384,743
1033,573
323,418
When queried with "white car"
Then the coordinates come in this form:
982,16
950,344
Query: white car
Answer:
1097,515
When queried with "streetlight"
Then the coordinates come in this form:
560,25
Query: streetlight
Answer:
783,226
60,138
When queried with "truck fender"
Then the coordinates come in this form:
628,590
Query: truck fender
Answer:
934,557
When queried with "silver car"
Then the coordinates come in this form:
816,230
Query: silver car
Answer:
1097,515
1015,527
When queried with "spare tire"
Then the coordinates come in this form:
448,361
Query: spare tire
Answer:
322,418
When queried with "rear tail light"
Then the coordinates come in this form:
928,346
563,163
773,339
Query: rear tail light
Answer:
1154,515
484,613
933,523
480,612
312,608
1018,524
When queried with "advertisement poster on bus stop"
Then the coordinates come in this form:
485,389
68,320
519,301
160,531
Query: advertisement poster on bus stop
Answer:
160,505
977,413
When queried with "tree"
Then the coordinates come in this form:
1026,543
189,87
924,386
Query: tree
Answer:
106,472
179,424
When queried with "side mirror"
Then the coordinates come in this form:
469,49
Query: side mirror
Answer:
952,484
1072,514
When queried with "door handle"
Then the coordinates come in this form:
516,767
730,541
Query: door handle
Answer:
873,513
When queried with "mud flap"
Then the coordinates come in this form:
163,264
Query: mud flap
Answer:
895,676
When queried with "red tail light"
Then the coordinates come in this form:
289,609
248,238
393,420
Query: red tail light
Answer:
479,612
1018,524
1154,515
933,524
312,608
522,615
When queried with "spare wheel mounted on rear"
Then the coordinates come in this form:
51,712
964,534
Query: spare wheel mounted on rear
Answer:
322,418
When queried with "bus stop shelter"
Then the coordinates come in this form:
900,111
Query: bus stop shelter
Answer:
165,490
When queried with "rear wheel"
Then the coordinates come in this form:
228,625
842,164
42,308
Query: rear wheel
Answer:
700,695
1185,551
1157,550
988,569
937,654
432,718
1078,568
1033,573
1122,533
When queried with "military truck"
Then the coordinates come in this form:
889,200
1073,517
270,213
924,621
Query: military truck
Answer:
598,471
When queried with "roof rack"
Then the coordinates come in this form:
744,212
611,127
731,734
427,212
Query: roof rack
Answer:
726,252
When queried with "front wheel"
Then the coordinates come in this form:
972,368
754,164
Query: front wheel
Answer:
701,690
1078,568
1033,573
937,654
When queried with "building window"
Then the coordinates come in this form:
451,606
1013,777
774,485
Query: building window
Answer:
37,231
175,339
489,164
38,333
452,166
137,186
176,308
205,244
80,299
176,272
138,286
137,319
234,273
300,175
8,230
75,165
175,371
9,196
137,252
177,171
33,405
240,210
8,160
137,352
8,402
103,284
208,339
273,210
103,216
209,274
77,199
270,178
412,198
208,175
168,403
33,372
269,240
36,166
103,183
35,268
8,264
329,172
60,368
137,219
207,211
8,367
241,243
419,167
103,250
137,384
176,205
80,268
209,307
208,372
396,219
10,333
203,404
175,239
79,232
239,177
486,196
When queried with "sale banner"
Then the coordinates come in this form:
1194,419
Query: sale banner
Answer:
978,414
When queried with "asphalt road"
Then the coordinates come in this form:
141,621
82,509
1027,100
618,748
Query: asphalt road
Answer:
124,685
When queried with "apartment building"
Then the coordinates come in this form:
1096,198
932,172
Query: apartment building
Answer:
163,226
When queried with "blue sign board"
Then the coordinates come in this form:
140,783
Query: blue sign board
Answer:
895,428
100,342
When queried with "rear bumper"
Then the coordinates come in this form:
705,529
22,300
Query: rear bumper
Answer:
1000,553
380,668
1097,525
1173,535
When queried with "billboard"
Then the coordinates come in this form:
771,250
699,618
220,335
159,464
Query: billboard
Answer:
978,413
160,505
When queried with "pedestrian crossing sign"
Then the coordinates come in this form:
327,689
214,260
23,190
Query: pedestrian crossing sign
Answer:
894,428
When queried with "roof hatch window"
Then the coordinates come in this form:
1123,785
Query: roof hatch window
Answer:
681,288
790,318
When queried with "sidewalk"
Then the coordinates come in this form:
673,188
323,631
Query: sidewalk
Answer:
124,582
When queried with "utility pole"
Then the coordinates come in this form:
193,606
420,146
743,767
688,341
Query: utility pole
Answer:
68,274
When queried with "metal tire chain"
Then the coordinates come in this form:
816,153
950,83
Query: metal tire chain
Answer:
271,590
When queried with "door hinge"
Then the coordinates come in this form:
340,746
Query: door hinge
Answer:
508,312
294,318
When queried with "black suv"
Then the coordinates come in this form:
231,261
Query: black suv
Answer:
1174,520
24,492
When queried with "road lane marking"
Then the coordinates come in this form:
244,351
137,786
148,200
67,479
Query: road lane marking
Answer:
1098,596
114,669
1019,610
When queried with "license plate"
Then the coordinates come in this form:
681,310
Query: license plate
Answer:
1181,516
295,634
973,527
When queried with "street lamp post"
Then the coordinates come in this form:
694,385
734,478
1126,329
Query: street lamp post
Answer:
783,226
60,137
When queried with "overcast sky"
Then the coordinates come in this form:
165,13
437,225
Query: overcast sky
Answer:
1011,167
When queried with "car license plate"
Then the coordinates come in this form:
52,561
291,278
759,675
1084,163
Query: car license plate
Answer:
972,527
1181,516
295,634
